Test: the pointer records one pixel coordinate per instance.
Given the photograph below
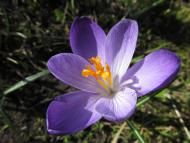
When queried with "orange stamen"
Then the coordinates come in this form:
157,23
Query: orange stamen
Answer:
101,74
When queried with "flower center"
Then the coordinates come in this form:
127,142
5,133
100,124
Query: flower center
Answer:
99,72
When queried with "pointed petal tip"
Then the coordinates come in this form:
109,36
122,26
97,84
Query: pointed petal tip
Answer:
130,21
78,21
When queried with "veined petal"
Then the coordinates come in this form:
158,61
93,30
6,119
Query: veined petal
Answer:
154,72
68,68
120,46
87,39
72,112
118,107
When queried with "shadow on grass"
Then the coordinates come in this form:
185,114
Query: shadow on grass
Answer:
165,24
167,123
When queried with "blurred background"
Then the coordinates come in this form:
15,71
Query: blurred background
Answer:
31,31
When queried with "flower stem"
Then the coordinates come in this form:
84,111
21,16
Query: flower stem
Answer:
135,132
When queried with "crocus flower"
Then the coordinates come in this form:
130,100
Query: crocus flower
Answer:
98,67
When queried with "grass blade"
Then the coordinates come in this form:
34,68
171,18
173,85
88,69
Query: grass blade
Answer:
155,4
16,86
135,131
182,122
149,96
6,118
25,81
116,136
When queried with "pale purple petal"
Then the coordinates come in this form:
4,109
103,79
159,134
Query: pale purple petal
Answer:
120,46
153,72
87,39
118,107
68,68
72,112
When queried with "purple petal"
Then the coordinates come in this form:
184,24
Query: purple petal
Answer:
87,39
120,46
72,112
153,72
67,67
118,107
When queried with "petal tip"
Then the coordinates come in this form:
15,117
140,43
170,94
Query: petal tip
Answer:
172,55
130,21
81,20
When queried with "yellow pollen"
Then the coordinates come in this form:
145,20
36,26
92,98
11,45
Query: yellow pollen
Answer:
100,73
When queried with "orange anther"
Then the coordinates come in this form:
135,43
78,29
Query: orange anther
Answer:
100,73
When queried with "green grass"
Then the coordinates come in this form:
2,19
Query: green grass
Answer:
33,31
